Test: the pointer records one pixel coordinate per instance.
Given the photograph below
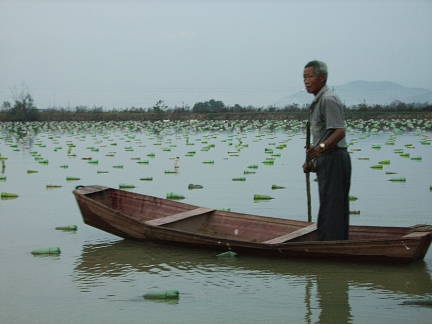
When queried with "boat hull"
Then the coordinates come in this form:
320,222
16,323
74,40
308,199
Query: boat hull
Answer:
391,248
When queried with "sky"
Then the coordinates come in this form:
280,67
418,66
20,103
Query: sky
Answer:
120,54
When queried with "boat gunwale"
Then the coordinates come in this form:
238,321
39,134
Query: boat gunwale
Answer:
238,214
394,240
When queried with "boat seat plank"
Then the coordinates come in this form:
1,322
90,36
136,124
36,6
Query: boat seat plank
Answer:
292,235
176,217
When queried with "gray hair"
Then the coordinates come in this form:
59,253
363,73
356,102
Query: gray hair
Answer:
318,67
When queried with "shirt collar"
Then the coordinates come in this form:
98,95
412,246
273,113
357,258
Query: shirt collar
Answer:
319,94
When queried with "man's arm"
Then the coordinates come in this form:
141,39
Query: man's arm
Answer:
336,135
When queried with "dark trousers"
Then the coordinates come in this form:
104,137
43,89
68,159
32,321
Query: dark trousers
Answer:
334,180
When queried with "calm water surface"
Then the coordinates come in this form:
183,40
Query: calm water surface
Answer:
100,277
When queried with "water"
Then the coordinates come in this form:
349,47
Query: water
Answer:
100,277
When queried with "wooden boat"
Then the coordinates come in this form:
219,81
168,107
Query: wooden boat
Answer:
142,217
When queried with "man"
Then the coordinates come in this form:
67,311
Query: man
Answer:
328,154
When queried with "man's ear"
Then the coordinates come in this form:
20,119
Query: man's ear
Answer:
323,78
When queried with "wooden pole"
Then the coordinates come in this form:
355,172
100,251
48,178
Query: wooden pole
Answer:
308,191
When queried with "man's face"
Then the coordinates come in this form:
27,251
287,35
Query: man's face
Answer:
313,83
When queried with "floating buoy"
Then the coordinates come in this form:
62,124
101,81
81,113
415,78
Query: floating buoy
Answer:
163,294
239,179
385,162
355,212
32,171
352,198
47,251
147,179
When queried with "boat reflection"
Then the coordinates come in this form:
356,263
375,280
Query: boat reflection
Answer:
120,257
330,281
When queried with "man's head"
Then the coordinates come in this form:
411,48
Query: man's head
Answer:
315,76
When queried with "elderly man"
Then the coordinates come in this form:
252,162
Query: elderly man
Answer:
328,154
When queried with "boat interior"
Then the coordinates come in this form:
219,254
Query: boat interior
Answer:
171,214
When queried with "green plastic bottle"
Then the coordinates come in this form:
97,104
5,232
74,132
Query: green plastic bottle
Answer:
174,196
47,251
8,195
162,294
262,197
67,228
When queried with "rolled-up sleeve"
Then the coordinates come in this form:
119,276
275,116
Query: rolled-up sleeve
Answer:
334,113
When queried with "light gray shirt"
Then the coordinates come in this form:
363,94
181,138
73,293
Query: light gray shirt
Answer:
326,112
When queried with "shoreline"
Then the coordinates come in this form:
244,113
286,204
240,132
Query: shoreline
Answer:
62,115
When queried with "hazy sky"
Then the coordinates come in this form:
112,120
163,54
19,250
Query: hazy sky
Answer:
132,53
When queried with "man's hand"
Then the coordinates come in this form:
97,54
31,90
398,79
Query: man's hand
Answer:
309,167
314,151
306,167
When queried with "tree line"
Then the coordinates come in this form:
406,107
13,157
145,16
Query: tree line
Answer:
23,109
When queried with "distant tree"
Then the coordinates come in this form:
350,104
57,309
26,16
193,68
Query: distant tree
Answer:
81,109
237,108
96,109
209,106
159,106
23,108
6,105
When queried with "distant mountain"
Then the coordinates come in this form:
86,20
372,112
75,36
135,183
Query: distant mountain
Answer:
368,92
